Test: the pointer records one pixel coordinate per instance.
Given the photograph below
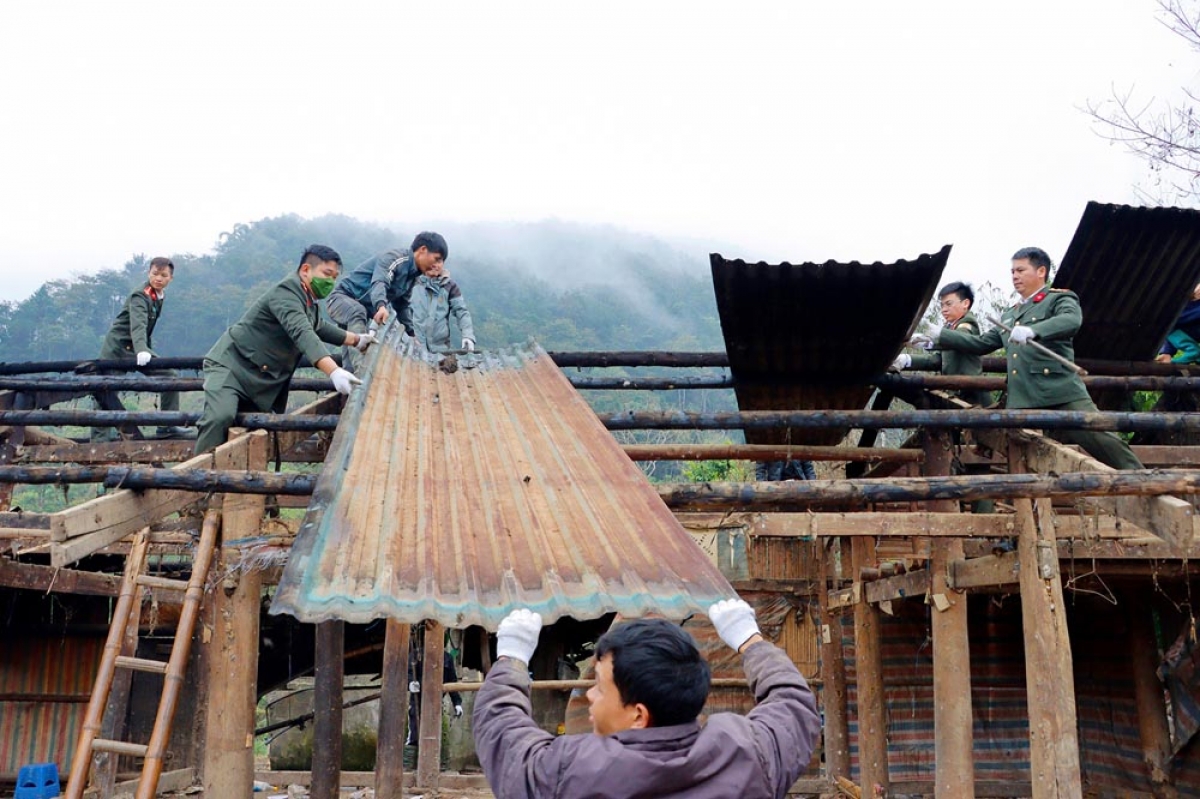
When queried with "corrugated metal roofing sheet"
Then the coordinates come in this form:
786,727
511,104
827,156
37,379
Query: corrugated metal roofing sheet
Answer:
1134,269
461,496
810,336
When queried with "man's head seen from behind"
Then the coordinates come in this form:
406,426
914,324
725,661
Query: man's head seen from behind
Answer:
649,673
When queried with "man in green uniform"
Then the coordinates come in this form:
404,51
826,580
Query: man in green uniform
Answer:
1051,317
129,338
250,366
956,301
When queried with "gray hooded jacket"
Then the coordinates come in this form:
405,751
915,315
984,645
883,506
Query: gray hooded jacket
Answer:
432,302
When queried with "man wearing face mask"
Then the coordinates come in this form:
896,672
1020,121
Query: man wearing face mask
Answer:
250,366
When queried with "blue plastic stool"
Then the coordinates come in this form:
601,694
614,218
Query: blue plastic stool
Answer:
37,781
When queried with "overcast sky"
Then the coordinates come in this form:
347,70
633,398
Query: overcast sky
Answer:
790,130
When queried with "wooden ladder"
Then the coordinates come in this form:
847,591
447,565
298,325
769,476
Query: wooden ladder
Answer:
119,651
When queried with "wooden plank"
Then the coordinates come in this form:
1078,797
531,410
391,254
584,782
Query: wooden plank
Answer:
231,657
1049,676
844,597
988,571
429,747
1170,518
87,528
170,781
1167,457
833,678
36,577
393,713
902,586
868,647
329,675
952,720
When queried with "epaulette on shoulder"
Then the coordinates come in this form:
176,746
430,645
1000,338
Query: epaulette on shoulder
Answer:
1061,291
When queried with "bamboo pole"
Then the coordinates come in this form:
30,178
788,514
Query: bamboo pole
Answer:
997,383
142,383
139,478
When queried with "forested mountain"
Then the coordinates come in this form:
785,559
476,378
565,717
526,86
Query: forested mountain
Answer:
567,286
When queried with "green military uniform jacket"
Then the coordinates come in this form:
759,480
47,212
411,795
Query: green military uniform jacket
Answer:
1034,380
954,362
264,347
131,332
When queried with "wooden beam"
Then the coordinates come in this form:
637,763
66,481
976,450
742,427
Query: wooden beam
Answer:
329,676
84,529
393,713
985,572
902,586
429,747
868,665
1049,676
764,452
35,577
833,678
1167,517
1148,692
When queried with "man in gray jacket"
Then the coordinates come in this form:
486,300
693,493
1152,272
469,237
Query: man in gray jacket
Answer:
380,286
651,684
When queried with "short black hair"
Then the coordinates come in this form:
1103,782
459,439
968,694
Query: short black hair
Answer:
1036,256
160,261
657,664
316,253
434,242
963,290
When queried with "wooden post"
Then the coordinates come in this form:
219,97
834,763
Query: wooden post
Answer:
1152,711
953,733
231,659
429,753
328,674
833,675
393,713
868,665
1049,675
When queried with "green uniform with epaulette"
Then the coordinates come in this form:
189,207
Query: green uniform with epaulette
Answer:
250,366
1035,380
131,332
954,362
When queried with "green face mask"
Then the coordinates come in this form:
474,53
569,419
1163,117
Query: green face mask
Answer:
321,286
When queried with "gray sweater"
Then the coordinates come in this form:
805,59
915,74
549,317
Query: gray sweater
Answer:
760,754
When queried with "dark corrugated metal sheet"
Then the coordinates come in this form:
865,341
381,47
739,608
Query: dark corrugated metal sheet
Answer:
1134,269
459,497
809,336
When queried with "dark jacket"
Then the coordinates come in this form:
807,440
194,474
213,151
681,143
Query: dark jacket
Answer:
1034,380
757,755
386,278
264,347
131,332
430,305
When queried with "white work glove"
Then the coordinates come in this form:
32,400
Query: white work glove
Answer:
458,711
469,344
902,362
414,687
923,341
1021,334
343,381
517,635
144,357
365,340
734,621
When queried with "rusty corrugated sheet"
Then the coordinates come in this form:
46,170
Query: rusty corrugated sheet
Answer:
1134,269
809,336
459,497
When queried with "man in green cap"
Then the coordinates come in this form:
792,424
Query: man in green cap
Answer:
129,339
250,366
1051,317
